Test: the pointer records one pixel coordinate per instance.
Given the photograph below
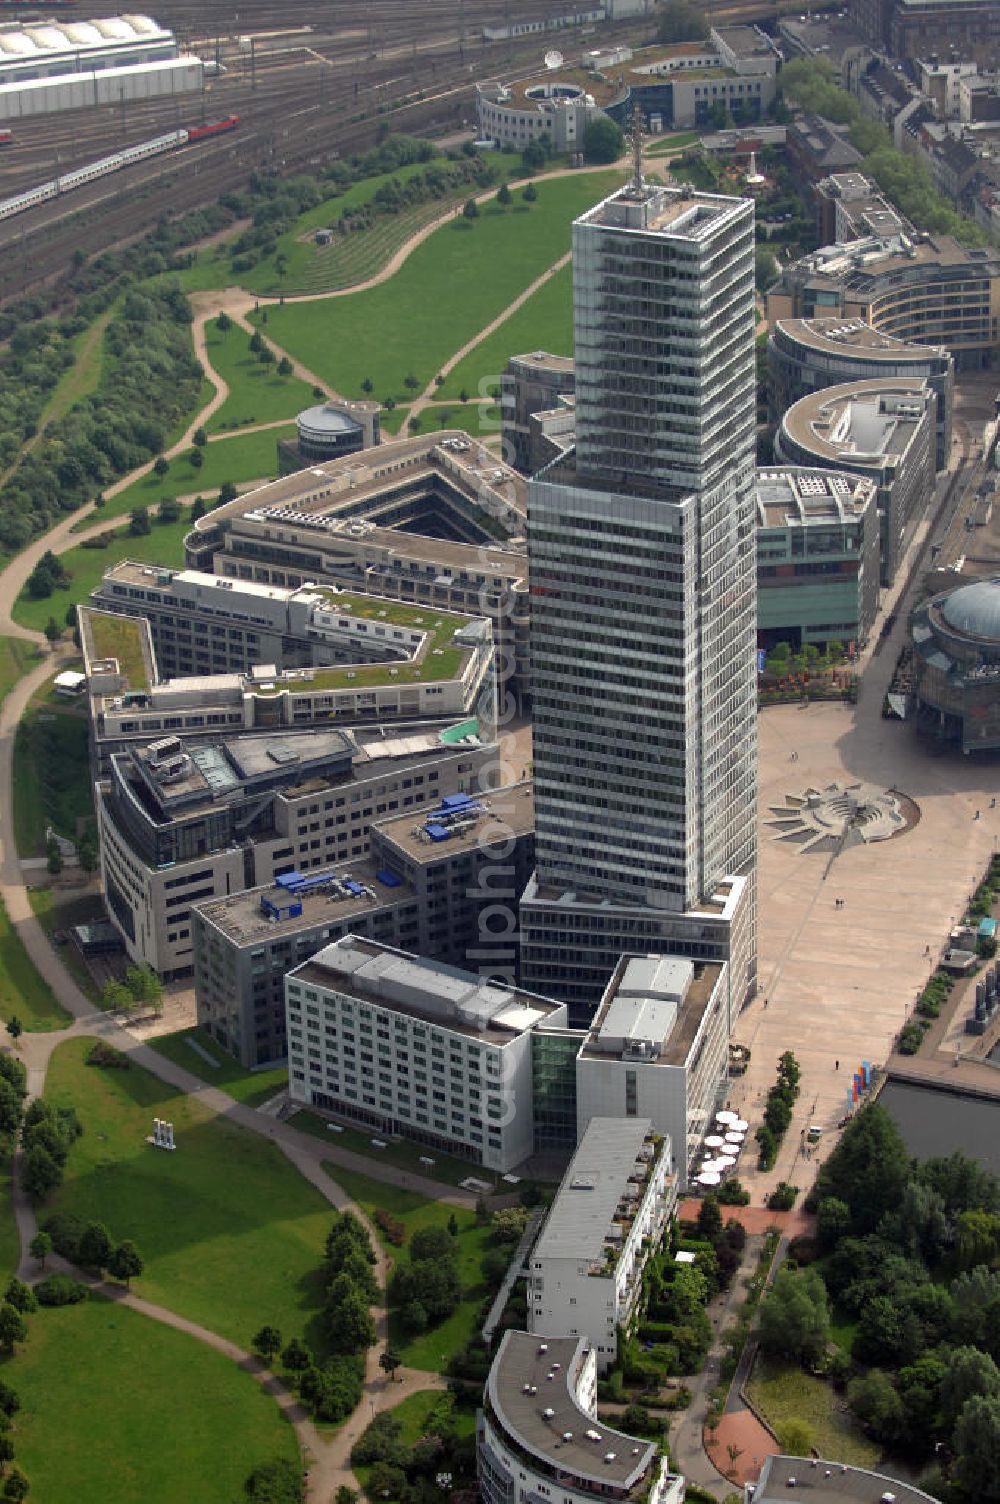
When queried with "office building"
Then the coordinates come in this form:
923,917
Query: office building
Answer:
926,289
806,355
658,1049
608,1217
883,430
817,557
442,881
850,207
183,822
328,431
406,1045
956,642
538,1436
642,573
530,384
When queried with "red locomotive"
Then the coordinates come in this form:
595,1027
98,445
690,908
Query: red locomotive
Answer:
202,132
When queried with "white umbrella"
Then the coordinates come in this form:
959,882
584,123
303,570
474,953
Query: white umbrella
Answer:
709,1177
740,1126
725,1162
735,1138
727,1117
714,1141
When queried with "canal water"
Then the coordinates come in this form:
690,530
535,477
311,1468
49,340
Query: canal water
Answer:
936,1123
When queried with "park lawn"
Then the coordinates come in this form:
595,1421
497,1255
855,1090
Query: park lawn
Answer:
671,143
430,1350
391,418
454,283
544,322
23,991
16,658
117,1407
239,458
402,1153
232,1235
257,394
249,1087
58,909
51,774
783,1392
481,420
164,544
84,375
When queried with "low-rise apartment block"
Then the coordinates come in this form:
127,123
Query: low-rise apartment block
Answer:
659,1049
609,1214
538,1436
406,1045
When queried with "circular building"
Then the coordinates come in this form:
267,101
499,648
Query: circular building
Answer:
328,431
956,649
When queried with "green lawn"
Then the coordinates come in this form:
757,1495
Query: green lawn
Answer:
459,279
671,143
84,375
116,1408
22,990
163,545
231,1234
60,909
480,419
242,457
544,322
257,394
251,1087
783,1392
431,1350
16,658
403,1153
51,775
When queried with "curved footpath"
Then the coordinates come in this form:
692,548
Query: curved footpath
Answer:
328,1461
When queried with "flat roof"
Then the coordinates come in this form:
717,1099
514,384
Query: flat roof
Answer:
837,335
350,480
443,995
680,212
582,1214
818,1481
800,497
656,1018
243,919
106,635
545,361
532,1375
855,422
217,769
498,814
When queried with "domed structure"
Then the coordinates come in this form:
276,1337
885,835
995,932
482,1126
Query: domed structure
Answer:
974,610
328,431
956,642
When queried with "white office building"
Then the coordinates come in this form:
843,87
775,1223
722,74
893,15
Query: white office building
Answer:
642,574
405,1045
538,1436
585,1274
658,1049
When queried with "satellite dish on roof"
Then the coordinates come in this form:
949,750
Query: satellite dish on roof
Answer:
553,59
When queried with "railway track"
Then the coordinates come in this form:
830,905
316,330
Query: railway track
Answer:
295,98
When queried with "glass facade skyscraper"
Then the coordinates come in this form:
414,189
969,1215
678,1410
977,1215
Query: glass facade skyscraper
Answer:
642,567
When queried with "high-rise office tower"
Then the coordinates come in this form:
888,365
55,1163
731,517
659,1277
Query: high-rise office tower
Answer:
642,573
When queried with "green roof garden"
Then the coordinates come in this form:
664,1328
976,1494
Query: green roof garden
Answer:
121,638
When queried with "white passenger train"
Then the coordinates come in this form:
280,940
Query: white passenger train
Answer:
70,180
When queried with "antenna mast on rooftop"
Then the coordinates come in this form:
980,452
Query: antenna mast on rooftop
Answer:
635,141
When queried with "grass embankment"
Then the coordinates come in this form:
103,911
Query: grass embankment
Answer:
116,1407
249,1087
16,658
432,1349
163,545
783,1392
257,394
58,909
231,1234
52,778
400,1152
454,284
22,990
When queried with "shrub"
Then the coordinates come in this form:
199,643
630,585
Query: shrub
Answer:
732,1193
60,1290
392,1229
782,1198
106,1055
65,1229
